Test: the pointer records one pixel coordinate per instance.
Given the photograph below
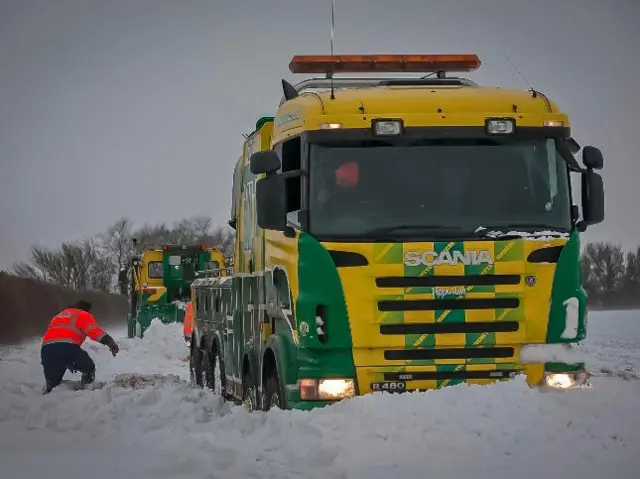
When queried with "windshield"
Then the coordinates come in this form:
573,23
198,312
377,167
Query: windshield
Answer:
437,188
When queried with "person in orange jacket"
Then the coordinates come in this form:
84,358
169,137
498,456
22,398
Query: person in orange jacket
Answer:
61,345
187,327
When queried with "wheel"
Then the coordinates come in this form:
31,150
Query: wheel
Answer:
218,380
213,368
272,394
248,393
195,367
208,368
129,326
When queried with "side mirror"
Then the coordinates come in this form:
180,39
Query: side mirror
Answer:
592,158
592,198
266,161
271,203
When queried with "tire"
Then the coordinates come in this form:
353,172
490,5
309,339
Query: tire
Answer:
208,369
195,367
218,362
248,393
130,330
272,392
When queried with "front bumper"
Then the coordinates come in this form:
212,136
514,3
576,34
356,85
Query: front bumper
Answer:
543,376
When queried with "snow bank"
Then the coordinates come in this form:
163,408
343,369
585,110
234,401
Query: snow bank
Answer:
165,428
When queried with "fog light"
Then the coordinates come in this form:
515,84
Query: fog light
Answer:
502,126
326,389
387,127
567,380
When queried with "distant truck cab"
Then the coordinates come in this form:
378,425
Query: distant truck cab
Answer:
399,234
161,278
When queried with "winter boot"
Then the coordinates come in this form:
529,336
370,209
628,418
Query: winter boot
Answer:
87,378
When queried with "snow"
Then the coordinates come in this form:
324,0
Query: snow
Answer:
545,235
180,304
571,320
167,429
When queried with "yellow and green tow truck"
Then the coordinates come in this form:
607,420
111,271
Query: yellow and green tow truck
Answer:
160,282
398,233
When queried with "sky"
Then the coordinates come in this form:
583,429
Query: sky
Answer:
137,107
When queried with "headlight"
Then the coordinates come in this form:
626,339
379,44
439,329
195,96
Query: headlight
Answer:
567,380
326,389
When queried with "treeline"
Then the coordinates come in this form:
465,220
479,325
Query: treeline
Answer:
92,264
611,276
28,305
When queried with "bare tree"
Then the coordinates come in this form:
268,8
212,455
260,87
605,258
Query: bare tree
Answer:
603,267
27,270
102,274
224,239
71,265
117,241
149,235
42,264
631,279
201,225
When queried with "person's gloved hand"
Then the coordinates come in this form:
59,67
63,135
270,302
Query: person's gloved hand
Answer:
111,344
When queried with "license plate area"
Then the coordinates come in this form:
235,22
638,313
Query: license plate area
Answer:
389,386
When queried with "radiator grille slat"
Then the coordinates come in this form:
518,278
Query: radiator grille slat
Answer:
450,328
453,304
448,280
448,353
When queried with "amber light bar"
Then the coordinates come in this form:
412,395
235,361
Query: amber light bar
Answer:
383,63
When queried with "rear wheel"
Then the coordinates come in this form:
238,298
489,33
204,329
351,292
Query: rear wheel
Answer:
248,392
213,369
272,393
195,366
208,368
219,382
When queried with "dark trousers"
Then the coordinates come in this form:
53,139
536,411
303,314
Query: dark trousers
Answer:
58,357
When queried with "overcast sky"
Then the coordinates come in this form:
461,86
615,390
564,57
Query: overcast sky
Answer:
137,107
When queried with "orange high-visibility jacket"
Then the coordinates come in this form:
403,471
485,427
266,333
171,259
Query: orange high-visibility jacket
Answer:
73,326
187,327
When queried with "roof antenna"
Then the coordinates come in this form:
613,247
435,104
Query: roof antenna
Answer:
333,21
535,93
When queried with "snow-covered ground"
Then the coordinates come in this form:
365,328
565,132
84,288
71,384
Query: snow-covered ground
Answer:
170,430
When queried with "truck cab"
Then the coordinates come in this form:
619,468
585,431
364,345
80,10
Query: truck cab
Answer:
161,278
